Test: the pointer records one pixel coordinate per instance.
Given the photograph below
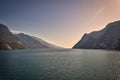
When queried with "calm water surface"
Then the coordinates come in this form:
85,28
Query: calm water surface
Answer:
59,64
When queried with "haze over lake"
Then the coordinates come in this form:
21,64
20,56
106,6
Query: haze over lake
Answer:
59,64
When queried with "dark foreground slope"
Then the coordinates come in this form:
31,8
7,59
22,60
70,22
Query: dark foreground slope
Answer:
8,40
107,38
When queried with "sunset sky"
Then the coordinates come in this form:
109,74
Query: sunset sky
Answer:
61,22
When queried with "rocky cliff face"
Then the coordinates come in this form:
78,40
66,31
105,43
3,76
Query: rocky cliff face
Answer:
107,38
8,40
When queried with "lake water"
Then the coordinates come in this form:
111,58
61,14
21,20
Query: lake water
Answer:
59,64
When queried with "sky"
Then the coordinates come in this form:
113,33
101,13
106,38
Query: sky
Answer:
61,22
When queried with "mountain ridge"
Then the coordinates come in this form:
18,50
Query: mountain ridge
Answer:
107,38
10,41
34,42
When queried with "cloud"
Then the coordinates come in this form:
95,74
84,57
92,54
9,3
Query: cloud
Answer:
17,31
95,16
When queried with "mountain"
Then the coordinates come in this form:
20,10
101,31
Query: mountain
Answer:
107,38
49,45
8,40
34,42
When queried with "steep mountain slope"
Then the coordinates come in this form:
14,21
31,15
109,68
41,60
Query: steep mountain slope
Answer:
46,43
8,40
34,42
107,38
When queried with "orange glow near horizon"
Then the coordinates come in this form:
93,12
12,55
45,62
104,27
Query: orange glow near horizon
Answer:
61,22
108,11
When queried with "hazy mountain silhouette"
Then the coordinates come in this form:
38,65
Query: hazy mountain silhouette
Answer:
107,38
8,40
34,42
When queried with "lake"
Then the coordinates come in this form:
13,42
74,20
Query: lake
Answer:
59,64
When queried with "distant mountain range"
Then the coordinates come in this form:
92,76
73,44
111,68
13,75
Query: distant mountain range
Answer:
107,38
33,42
9,41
